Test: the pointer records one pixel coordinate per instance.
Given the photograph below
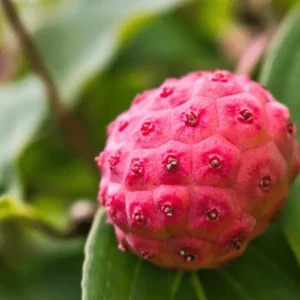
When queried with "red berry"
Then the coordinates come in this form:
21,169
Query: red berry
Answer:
196,168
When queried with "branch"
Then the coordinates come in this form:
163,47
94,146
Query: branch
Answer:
69,125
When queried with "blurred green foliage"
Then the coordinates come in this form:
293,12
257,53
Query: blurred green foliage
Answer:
101,53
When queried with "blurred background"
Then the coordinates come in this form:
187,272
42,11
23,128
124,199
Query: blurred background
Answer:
67,68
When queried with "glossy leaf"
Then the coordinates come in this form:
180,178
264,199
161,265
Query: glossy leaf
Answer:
74,58
51,270
281,69
106,267
22,108
7,207
281,73
266,261
290,219
164,41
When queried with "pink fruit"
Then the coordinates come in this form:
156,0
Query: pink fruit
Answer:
197,168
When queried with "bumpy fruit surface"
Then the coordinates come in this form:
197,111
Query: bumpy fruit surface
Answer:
196,168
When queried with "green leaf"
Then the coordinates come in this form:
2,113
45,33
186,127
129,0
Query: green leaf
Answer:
179,47
22,108
290,219
281,70
82,40
49,271
281,73
214,16
9,181
266,271
70,177
106,268
10,208
252,276
7,207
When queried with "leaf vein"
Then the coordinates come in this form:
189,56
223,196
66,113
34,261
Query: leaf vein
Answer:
136,271
107,281
198,286
235,284
276,267
177,282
